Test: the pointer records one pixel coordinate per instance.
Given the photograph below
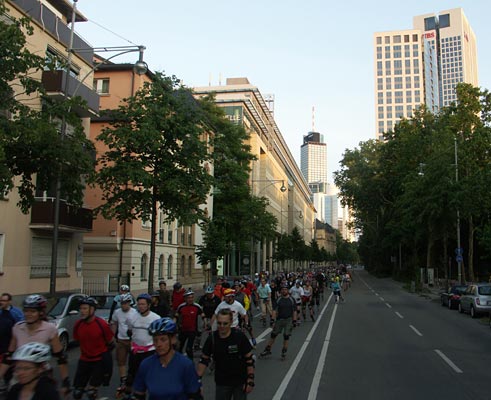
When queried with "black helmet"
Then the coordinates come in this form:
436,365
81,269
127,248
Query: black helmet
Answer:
89,301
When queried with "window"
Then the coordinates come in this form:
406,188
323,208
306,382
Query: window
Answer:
169,267
146,224
415,37
101,86
190,266
169,236
444,20
143,267
41,257
379,39
397,39
387,39
190,239
183,265
406,38
161,266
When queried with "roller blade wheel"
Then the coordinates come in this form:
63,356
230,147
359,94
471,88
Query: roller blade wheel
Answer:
265,353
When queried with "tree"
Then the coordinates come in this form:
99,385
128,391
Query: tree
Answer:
157,148
31,146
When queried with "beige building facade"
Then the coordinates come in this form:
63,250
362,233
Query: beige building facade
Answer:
26,240
274,174
422,65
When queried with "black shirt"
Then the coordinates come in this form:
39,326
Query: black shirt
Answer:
285,306
6,323
45,390
209,305
229,355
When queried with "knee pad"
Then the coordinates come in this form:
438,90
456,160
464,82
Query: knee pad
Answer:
286,337
77,393
273,335
92,394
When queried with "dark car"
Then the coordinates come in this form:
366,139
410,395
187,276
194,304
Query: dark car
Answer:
451,298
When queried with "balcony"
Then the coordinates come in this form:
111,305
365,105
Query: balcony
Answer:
71,218
54,84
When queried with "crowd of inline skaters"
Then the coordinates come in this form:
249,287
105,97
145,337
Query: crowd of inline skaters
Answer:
154,337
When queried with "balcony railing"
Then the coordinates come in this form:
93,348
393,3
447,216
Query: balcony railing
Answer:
54,84
72,219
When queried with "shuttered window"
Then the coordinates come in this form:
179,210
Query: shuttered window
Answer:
41,257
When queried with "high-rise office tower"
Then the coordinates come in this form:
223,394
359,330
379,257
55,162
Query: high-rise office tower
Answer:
422,66
313,161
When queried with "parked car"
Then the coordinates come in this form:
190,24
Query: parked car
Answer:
451,298
105,303
476,300
63,313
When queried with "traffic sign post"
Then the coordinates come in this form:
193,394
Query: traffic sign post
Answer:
459,258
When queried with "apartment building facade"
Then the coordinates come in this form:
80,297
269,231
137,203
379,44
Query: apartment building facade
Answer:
26,239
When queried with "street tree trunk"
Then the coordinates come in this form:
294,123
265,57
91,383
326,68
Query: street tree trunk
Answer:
153,224
471,249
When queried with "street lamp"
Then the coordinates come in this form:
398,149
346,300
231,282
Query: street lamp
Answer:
271,182
139,68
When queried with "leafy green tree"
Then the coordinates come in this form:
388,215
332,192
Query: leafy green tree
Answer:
155,158
31,146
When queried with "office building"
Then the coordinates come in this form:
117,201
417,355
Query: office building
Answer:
422,65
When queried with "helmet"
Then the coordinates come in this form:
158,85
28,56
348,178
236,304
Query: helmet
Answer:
177,285
155,294
162,282
236,283
88,300
126,298
229,292
209,289
124,288
284,286
162,326
144,296
243,282
189,292
35,301
33,352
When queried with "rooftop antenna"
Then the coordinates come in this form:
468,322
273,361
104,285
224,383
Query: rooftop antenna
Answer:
313,118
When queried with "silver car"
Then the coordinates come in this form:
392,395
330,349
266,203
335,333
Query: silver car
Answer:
476,299
63,313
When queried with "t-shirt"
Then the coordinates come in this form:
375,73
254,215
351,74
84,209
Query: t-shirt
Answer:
121,318
209,305
45,389
236,308
296,293
93,337
6,325
263,291
229,355
176,381
285,306
15,312
45,333
139,327
188,316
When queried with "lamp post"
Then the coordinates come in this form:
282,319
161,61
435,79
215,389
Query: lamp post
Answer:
140,68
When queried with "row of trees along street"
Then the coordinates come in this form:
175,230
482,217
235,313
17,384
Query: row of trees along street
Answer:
405,196
160,148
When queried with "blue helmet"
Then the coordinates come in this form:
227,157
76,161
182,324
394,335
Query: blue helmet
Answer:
162,326
144,296
209,289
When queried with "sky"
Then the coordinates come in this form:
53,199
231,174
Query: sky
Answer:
310,53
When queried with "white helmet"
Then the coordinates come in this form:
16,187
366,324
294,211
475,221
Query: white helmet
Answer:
33,352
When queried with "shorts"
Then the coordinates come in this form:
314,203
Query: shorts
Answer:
123,348
283,325
89,372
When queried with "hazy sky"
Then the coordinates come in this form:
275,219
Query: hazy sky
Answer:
307,53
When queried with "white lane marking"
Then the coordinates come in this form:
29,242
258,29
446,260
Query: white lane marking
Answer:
399,315
382,299
388,305
376,294
261,337
449,362
416,331
314,388
286,380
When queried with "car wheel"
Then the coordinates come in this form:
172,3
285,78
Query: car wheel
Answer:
461,310
473,312
450,304
64,341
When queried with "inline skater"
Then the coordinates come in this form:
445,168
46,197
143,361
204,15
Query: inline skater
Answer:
296,292
166,374
187,316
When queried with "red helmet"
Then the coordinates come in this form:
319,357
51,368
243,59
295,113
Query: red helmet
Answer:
229,292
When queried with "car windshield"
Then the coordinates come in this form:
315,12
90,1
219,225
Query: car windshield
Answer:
58,307
485,290
104,302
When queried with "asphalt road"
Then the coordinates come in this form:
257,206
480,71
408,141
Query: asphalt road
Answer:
381,343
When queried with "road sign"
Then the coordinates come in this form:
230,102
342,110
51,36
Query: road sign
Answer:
459,251
459,258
